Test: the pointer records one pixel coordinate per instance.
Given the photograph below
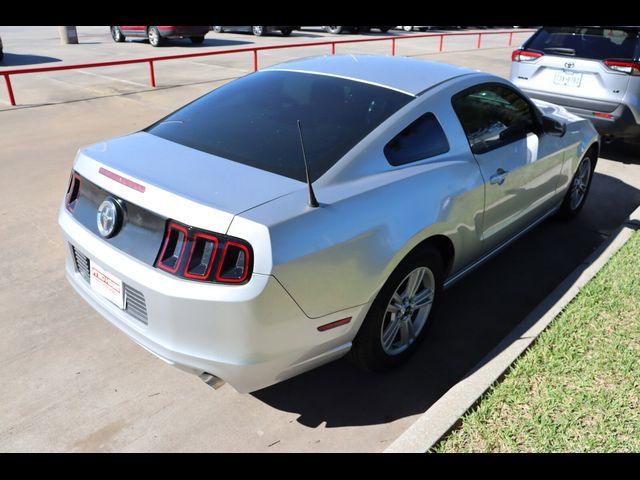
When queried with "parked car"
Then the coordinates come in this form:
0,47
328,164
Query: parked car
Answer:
593,72
321,211
158,35
411,28
355,29
258,31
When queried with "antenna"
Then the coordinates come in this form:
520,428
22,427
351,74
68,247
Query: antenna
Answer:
312,197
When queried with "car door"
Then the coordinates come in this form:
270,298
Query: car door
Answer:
503,134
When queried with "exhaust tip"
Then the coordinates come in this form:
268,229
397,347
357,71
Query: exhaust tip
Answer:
211,380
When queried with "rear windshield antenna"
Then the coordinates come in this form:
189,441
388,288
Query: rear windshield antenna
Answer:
313,203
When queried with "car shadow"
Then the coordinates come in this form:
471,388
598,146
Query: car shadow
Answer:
475,315
622,152
185,42
18,59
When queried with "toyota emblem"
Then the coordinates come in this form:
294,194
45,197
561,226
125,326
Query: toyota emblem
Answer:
109,217
569,64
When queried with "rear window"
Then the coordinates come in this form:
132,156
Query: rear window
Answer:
597,43
253,120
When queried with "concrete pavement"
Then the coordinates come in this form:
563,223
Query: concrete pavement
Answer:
69,381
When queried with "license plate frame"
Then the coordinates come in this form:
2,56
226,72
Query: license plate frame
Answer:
567,79
107,285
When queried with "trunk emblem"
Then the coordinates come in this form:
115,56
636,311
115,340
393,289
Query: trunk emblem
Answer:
109,217
569,64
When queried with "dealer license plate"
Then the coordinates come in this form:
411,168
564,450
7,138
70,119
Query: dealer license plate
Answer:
569,79
107,285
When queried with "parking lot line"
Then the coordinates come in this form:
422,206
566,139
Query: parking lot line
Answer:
107,77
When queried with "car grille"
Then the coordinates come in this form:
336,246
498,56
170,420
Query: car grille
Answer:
134,303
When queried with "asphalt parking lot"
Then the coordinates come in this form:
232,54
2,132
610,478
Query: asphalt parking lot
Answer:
69,381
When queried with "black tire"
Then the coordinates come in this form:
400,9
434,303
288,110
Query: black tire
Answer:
367,351
570,207
155,39
385,29
197,40
217,29
258,31
286,32
334,30
117,35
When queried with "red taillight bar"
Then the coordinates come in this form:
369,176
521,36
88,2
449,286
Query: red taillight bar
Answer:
245,270
624,66
205,275
73,190
524,56
173,226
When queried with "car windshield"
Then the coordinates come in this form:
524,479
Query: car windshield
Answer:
253,120
597,43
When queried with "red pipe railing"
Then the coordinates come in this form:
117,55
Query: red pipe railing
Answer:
254,50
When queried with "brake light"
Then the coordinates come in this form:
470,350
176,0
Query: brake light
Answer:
524,56
602,115
73,192
624,66
194,254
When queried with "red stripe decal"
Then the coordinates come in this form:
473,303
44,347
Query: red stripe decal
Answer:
124,181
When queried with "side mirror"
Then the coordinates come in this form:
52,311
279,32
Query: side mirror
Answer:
553,126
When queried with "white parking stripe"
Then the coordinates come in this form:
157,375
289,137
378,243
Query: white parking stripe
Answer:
107,77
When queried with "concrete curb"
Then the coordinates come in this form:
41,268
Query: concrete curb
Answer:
443,415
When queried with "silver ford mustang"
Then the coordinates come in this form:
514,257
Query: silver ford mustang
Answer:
313,209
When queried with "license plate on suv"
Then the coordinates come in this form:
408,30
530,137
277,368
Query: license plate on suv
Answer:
569,79
107,285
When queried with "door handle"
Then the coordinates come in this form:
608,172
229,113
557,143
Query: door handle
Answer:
499,177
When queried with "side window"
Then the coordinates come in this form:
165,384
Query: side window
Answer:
422,139
492,116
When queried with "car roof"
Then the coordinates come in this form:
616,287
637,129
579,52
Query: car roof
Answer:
407,75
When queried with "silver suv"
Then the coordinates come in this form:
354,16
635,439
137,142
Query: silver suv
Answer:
593,72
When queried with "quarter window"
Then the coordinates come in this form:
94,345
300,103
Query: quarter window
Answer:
422,139
492,116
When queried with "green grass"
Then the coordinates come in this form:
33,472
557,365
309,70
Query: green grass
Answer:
577,389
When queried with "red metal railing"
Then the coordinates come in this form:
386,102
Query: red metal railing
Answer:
150,60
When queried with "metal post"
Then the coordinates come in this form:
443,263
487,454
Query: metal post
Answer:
152,74
479,38
510,38
441,42
12,99
68,35
255,60
333,49
393,47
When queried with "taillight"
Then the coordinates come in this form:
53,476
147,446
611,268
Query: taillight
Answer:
624,66
73,192
524,56
196,254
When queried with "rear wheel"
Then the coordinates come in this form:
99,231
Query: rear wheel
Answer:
579,188
117,35
401,314
258,31
154,37
197,40
334,30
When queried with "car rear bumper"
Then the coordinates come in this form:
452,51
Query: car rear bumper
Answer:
175,32
613,120
251,335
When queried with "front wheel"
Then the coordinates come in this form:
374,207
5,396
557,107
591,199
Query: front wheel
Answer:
154,37
117,35
335,30
197,40
401,314
579,188
258,31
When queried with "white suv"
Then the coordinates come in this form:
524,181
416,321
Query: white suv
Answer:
593,72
